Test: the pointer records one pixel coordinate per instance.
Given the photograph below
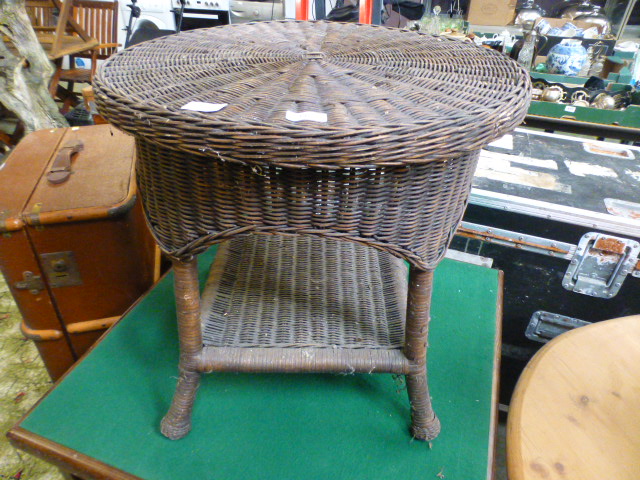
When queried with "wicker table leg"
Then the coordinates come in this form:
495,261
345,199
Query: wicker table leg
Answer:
424,423
177,423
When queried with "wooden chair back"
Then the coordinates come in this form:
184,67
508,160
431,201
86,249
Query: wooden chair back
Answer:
41,14
100,21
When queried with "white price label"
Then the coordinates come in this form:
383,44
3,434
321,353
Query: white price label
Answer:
312,116
204,107
570,109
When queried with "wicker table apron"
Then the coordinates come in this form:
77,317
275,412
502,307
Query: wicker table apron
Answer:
323,132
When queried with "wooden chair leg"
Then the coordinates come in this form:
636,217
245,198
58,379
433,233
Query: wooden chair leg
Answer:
11,140
424,423
18,133
177,423
68,97
6,139
53,84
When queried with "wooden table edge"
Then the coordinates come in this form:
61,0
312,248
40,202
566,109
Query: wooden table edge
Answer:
515,457
493,422
67,459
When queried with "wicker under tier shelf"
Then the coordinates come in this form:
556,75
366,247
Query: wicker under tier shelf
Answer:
305,303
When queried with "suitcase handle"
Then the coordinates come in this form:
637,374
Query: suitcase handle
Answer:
61,168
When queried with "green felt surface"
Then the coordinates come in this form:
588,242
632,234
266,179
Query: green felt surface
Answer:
276,426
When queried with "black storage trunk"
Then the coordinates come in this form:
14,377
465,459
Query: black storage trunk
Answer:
560,216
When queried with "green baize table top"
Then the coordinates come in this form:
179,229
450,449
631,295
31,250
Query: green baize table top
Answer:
283,426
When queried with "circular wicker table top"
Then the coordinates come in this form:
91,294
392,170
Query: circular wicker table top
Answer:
320,94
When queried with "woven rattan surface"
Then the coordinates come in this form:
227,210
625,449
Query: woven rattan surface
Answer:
390,97
411,211
391,167
276,291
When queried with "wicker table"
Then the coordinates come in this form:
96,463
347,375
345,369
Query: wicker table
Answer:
319,132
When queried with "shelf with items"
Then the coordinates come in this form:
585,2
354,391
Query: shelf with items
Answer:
579,99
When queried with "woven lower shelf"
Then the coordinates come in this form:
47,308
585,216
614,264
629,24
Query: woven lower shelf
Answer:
303,303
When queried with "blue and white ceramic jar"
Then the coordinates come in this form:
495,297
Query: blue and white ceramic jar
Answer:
567,57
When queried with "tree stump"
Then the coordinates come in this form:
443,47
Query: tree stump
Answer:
25,71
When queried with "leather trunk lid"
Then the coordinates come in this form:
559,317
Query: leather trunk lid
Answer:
98,185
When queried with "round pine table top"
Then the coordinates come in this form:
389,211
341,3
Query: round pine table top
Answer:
575,413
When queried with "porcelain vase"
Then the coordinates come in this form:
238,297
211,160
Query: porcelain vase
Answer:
567,58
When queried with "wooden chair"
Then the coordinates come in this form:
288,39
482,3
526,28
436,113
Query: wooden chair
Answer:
57,32
100,21
575,413
60,35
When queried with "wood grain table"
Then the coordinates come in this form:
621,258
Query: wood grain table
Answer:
575,413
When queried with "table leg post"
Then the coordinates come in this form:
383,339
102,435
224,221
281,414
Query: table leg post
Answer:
177,423
424,423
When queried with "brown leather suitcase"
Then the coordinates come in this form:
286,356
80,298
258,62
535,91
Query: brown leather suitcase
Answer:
74,247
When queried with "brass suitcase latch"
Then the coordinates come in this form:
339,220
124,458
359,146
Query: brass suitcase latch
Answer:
31,282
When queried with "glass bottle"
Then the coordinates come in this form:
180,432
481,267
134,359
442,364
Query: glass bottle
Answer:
528,51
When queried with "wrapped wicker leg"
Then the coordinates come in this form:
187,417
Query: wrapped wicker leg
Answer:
424,423
177,423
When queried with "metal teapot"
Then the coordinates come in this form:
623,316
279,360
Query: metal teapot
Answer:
553,94
528,13
597,19
574,10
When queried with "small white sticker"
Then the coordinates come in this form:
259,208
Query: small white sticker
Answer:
312,116
570,109
204,107
500,170
622,208
632,174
